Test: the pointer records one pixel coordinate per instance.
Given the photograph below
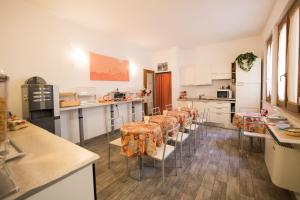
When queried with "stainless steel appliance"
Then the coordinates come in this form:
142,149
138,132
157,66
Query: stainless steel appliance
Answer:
224,93
41,104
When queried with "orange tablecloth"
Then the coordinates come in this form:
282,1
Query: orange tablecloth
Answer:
140,139
165,122
193,112
253,123
181,116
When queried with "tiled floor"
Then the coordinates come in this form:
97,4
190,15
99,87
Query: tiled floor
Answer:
216,171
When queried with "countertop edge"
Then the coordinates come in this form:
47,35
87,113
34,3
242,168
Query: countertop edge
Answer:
56,180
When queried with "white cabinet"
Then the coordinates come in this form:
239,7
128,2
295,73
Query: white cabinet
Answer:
200,106
195,75
219,112
283,164
221,71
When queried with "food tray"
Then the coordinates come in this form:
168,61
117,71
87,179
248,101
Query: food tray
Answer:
295,132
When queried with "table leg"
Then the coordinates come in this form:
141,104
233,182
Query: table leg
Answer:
140,167
133,111
81,131
112,125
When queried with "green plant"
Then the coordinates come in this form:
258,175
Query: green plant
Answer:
245,61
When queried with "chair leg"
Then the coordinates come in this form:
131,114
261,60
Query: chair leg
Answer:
127,168
175,161
108,156
180,155
163,173
195,132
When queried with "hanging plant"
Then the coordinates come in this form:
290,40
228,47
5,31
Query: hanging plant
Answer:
245,61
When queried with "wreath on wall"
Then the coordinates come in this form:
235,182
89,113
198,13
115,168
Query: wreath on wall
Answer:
245,61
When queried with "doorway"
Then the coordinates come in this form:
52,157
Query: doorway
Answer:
149,84
163,89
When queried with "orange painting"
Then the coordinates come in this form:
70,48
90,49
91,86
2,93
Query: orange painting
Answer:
106,68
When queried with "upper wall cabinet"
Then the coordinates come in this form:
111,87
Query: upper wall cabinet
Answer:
221,71
195,75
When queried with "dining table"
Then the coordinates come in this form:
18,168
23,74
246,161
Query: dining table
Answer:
181,115
139,138
254,122
166,122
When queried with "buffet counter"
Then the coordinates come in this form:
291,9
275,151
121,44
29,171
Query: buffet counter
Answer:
87,121
52,168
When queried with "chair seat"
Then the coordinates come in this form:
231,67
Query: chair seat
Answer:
160,151
184,137
254,134
116,142
192,127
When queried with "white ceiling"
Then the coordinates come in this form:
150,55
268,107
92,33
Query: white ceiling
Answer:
165,23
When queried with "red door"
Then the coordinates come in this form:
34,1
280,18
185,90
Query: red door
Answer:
163,90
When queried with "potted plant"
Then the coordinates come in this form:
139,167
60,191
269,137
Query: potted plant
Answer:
245,61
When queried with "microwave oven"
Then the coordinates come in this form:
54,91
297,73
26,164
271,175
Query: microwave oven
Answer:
224,93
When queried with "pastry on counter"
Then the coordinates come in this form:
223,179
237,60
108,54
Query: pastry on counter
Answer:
15,123
68,99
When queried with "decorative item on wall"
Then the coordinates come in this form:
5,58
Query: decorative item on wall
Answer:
162,67
107,68
245,61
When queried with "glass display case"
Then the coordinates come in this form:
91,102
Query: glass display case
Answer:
86,95
68,99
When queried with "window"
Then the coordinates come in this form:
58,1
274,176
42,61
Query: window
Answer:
292,60
269,70
288,61
282,64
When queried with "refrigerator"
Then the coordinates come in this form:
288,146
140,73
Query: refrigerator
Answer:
248,88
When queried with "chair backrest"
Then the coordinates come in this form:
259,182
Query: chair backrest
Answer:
169,107
135,115
174,131
156,111
188,124
112,124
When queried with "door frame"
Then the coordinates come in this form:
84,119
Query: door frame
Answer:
145,71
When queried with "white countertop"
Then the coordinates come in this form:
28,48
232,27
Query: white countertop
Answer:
48,158
231,100
282,135
98,104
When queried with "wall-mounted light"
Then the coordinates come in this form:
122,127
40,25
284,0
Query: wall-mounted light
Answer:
132,68
79,56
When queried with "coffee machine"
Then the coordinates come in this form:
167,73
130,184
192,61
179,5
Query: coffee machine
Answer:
40,103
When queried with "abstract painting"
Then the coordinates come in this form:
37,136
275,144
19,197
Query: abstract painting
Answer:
107,68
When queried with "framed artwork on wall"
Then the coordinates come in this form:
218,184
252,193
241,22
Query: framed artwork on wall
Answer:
105,68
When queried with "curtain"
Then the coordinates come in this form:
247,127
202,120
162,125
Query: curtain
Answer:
281,63
163,90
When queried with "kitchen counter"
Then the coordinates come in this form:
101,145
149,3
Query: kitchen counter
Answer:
281,135
232,100
47,159
91,105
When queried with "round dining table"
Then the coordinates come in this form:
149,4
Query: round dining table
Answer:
139,138
166,122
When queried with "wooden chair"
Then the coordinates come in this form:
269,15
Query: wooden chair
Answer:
169,107
111,124
182,136
156,111
166,150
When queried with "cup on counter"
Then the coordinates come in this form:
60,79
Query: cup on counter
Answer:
146,119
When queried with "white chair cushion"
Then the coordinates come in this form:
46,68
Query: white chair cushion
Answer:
184,137
116,142
160,151
253,134
192,127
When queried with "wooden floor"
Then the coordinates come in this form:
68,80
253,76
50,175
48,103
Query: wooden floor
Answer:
215,171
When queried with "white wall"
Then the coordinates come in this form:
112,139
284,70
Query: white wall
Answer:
173,57
218,53
36,43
